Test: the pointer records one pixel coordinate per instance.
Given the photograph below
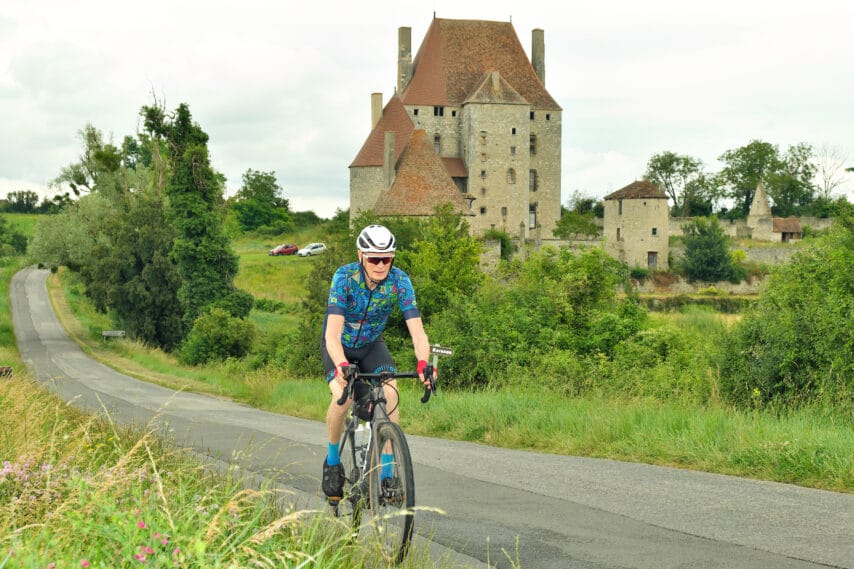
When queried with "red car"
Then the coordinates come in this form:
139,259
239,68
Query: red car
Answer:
285,249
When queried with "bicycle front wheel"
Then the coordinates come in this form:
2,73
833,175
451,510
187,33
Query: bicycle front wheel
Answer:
392,491
350,460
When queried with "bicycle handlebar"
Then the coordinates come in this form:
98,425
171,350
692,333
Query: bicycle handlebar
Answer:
351,373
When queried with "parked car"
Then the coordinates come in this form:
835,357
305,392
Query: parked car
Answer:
312,249
284,249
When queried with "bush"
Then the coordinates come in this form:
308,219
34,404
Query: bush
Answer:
216,336
796,346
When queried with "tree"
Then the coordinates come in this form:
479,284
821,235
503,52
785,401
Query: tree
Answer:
98,168
132,275
578,216
201,251
791,187
744,168
830,169
24,201
684,182
259,203
707,255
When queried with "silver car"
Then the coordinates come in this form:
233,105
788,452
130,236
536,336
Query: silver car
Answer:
312,249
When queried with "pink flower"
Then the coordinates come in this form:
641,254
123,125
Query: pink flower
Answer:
140,524
84,563
147,550
176,551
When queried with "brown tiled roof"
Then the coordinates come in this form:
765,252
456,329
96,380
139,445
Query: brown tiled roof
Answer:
396,119
456,167
421,183
638,189
454,56
786,225
494,89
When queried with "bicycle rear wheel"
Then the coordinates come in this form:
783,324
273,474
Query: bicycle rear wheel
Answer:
392,491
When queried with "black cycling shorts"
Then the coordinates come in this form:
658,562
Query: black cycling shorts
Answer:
371,358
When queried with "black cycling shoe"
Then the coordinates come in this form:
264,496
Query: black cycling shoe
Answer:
392,490
333,482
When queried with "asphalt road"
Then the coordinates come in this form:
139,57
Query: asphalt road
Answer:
549,511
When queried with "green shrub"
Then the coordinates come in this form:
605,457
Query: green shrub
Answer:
216,335
504,239
796,346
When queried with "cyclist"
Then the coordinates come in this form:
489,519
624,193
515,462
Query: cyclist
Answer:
361,299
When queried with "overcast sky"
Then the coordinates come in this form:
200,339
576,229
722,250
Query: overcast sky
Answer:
285,86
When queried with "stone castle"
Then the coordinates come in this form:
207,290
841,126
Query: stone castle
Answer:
470,124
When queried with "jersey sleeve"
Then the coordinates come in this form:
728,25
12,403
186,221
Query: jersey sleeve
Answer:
337,301
406,298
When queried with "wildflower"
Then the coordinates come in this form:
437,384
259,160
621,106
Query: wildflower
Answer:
84,562
147,549
176,552
140,524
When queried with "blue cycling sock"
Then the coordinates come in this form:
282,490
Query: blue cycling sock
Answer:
388,466
332,455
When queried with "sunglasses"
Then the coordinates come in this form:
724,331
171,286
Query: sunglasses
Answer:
379,260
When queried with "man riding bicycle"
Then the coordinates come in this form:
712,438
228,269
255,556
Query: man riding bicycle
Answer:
361,299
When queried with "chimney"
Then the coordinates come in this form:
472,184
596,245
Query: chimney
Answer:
376,109
404,58
388,158
538,54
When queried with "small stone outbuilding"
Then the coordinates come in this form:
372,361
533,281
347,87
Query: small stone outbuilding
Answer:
637,219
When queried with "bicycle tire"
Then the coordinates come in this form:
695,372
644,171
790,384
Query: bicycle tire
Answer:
347,454
392,504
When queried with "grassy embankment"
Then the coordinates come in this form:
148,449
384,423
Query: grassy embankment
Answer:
809,447
79,491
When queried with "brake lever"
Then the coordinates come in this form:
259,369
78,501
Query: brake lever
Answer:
350,376
428,391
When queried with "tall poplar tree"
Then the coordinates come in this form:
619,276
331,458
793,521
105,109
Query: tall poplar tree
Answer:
206,263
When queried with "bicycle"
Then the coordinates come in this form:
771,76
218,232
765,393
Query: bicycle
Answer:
377,467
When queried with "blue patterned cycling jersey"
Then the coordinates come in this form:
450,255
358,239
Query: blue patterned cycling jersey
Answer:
366,311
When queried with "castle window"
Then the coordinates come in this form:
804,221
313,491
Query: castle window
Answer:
512,151
483,211
533,144
620,207
438,111
619,236
532,216
513,131
483,191
532,180
655,231
437,143
483,156
483,173
503,212
548,116
415,112
453,113
511,176
483,137
532,115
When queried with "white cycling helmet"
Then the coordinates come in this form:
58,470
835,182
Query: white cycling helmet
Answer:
375,239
